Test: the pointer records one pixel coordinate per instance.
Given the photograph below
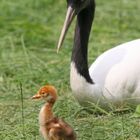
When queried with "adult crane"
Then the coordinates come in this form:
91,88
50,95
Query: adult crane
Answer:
114,77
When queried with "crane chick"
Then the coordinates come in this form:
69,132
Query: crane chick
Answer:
51,127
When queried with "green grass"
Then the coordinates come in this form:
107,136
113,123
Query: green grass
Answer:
29,31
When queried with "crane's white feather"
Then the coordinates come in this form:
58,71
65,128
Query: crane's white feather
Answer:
116,74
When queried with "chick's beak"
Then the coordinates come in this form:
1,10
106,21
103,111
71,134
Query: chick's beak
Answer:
68,20
37,96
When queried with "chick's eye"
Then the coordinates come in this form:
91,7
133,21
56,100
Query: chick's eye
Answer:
45,94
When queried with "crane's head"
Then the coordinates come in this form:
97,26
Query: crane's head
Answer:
78,5
74,7
48,93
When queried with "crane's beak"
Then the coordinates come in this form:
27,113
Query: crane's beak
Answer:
68,20
37,96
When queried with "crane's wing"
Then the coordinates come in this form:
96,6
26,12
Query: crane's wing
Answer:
104,63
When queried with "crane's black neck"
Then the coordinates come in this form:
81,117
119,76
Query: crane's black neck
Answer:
82,32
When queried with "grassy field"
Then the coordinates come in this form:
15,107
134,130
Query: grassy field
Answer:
29,31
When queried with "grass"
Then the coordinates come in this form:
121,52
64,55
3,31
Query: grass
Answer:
29,31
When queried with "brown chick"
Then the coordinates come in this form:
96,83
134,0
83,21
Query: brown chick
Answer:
51,127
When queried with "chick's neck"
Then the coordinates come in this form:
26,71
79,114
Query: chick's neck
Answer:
46,113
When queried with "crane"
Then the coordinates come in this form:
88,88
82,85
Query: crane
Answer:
114,77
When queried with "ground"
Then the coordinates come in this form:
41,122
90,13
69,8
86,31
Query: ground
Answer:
29,32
